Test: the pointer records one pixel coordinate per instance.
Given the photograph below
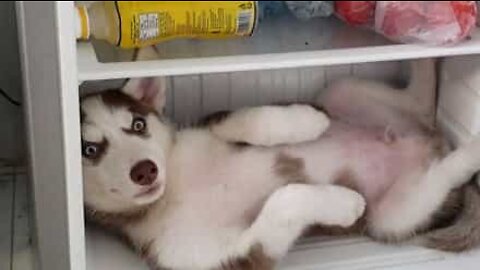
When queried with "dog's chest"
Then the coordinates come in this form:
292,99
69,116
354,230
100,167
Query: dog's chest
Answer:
203,164
214,193
217,183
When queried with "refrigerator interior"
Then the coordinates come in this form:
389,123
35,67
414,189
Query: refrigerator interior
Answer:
191,97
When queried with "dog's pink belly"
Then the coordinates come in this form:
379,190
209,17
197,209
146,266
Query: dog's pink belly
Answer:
368,160
379,159
374,167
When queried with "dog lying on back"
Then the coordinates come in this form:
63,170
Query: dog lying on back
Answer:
237,192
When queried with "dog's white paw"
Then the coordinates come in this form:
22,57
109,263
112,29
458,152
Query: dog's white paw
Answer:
273,125
293,124
342,207
308,122
308,205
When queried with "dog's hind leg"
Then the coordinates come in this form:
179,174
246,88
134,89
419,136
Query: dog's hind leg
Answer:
409,205
377,104
292,209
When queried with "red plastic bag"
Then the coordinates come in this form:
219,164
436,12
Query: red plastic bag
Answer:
356,13
430,22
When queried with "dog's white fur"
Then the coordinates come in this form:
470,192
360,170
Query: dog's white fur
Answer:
219,201
304,123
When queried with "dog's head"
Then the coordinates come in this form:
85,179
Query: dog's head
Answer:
125,144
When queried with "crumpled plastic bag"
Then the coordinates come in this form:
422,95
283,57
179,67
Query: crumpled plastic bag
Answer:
306,10
302,10
425,22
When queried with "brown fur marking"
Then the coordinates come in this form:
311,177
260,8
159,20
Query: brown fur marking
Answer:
214,118
256,259
145,249
464,233
117,233
129,131
114,223
345,179
115,98
359,228
115,220
83,116
145,253
450,209
241,145
440,146
290,168
313,105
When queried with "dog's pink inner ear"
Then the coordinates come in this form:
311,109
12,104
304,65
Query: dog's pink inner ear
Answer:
149,91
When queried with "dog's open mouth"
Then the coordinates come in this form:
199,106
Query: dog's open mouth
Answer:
149,191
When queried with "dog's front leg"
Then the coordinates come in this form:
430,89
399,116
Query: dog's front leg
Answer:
271,125
292,209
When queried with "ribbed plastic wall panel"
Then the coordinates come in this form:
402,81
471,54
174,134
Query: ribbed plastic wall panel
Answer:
192,96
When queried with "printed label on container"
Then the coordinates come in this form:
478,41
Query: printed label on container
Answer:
144,23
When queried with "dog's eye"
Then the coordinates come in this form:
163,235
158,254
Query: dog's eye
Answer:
139,125
90,150
94,150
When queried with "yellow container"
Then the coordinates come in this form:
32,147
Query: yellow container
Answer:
134,24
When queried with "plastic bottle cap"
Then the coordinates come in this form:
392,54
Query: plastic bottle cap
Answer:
82,26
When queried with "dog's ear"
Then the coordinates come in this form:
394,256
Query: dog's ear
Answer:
148,91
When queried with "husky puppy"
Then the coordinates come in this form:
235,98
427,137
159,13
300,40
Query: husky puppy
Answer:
237,192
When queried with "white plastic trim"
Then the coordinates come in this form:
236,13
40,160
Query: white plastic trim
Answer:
46,32
90,68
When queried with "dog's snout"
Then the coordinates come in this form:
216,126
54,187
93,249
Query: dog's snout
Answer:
144,172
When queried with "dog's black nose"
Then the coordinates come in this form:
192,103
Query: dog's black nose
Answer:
144,172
